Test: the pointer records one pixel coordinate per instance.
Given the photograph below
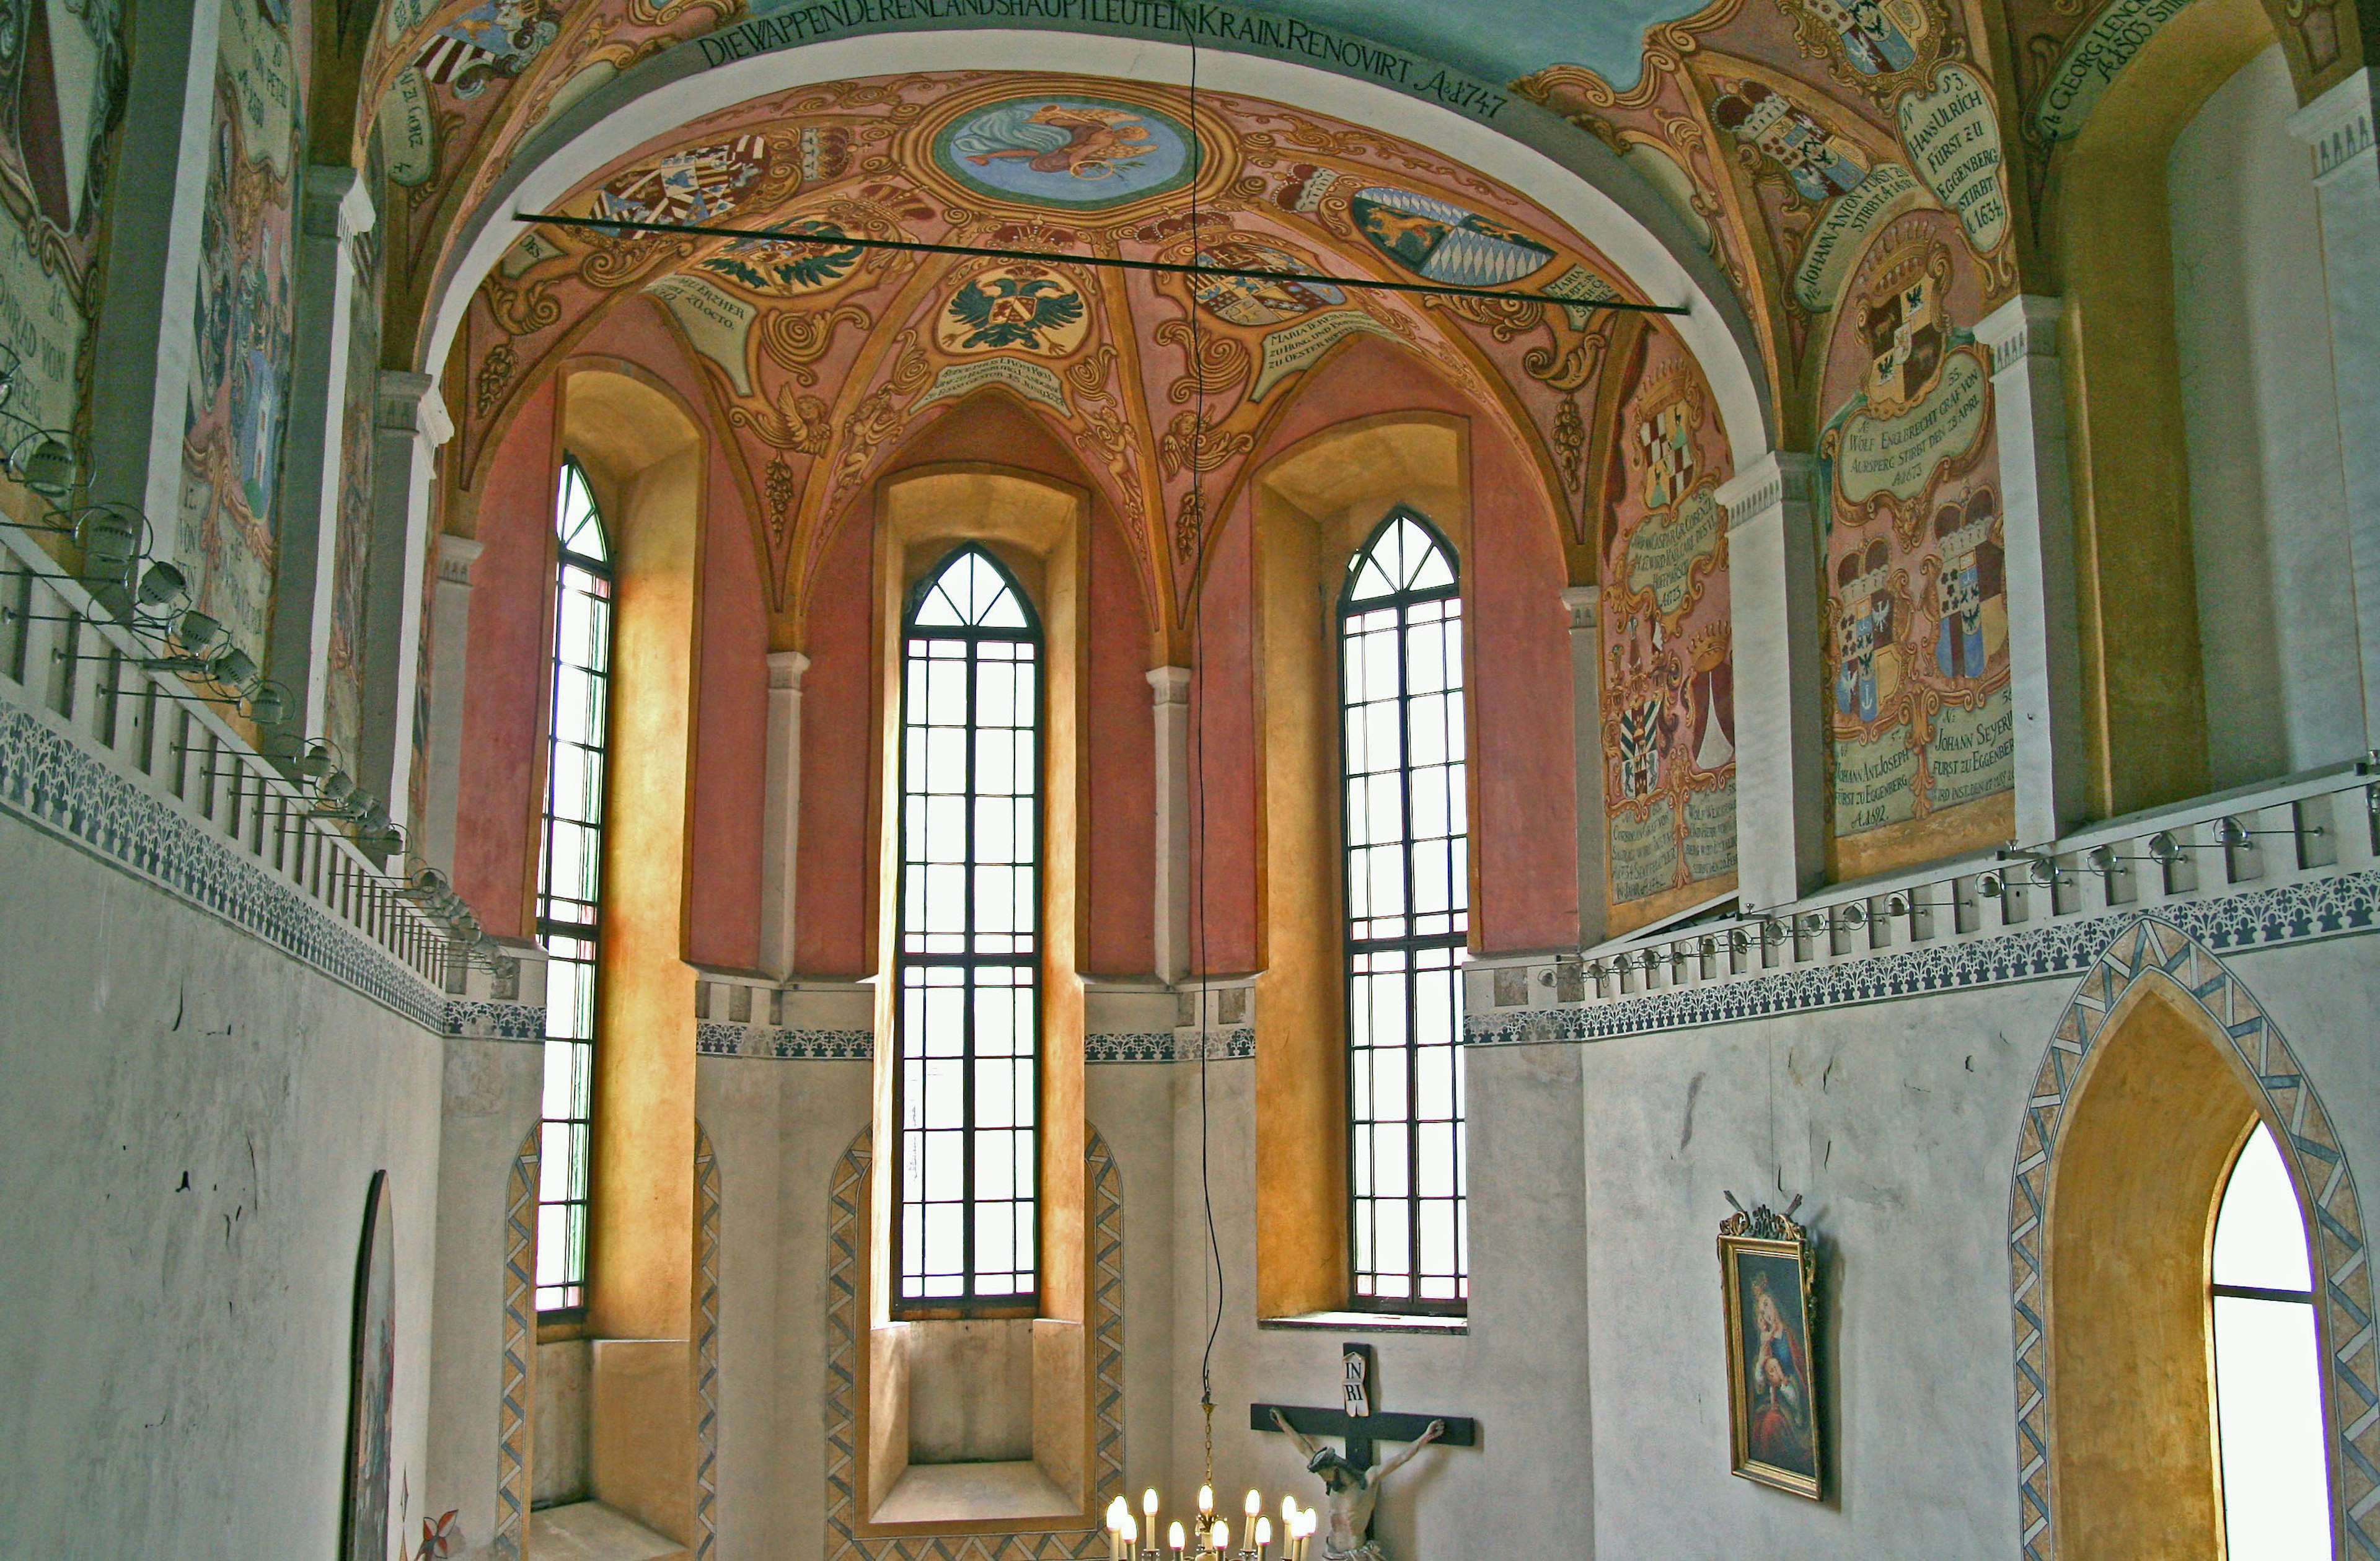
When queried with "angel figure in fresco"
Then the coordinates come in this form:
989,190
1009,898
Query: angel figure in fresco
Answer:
1780,1386
1349,1493
1095,140
1972,574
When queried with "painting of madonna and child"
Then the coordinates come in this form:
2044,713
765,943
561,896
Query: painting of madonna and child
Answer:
1772,1398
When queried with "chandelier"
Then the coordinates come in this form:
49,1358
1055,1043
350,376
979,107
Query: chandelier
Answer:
1206,1535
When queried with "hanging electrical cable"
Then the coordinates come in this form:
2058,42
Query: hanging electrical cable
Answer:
1111,262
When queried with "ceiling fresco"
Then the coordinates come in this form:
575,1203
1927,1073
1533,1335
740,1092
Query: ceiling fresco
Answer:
1790,136
822,359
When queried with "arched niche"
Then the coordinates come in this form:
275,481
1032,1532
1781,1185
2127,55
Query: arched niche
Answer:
1035,524
2106,231
1312,505
2160,1067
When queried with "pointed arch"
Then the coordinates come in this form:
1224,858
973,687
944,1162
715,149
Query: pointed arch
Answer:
2154,975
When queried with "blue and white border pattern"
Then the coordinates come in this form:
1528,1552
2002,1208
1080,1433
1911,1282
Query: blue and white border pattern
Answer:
1171,1046
719,1039
51,783
2291,913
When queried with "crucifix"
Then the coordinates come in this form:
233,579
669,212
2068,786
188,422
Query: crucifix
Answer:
1351,1489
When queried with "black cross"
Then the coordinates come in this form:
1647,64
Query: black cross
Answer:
1362,1429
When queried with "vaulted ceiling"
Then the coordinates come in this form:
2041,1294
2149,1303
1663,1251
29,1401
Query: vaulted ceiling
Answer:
821,359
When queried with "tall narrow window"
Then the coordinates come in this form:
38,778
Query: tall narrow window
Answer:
2267,1367
569,883
969,953
1408,901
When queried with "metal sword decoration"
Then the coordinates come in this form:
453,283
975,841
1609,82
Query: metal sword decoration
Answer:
1360,1418
1112,262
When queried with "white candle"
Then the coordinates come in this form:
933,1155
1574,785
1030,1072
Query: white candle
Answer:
1173,1538
1263,1536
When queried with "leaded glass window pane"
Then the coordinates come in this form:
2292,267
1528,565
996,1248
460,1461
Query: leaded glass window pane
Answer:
570,881
2268,1367
969,1014
1408,903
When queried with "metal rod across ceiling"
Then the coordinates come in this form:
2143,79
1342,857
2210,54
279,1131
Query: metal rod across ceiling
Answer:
1169,268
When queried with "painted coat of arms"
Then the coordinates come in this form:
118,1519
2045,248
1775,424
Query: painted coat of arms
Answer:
1022,307
1073,154
1881,47
699,184
1820,163
782,270
1259,300
1442,241
1905,342
493,40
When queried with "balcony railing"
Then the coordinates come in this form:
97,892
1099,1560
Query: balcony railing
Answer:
2301,832
136,766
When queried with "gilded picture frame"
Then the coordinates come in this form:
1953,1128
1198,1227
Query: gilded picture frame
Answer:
1767,1270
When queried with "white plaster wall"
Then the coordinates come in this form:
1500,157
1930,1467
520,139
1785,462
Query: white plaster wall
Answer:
2267,491
777,1129
1898,1123
1131,1106
1532,1486
490,1102
189,1124
1593,1358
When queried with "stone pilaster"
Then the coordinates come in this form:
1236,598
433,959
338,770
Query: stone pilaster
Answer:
1780,802
145,337
1583,604
410,424
1169,915
334,210
2037,524
450,646
781,811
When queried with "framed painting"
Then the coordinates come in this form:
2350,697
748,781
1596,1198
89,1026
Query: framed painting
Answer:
363,1520
1766,1267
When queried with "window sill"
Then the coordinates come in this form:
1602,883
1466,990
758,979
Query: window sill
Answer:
983,1493
1372,1323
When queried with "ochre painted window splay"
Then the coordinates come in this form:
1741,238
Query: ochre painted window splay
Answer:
969,960
2267,1367
569,882
1408,903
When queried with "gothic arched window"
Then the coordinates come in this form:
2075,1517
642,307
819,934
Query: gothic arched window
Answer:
969,955
2267,1366
1408,903
570,881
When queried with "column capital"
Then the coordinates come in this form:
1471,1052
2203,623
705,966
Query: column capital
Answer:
1585,605
2025,326
409,403
786,670
1169,686
456,556
1779,477
2337,125
336,202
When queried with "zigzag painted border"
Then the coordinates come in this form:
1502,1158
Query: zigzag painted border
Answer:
2293,913
706,1347
845,1192
519,1347
2152,947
